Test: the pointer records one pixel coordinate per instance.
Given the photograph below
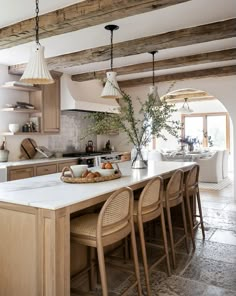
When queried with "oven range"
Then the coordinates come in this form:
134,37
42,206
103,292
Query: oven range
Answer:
94,158
89,158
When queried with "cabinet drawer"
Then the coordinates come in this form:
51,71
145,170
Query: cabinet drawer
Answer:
17,174
46,169
66,164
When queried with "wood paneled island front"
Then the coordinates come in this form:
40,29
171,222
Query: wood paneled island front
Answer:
35,218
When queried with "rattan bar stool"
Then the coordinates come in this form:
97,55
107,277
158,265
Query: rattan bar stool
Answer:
191,190
112,224
173,198
147,208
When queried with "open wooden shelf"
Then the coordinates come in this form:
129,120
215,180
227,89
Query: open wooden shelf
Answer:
18,110
19,133
21,88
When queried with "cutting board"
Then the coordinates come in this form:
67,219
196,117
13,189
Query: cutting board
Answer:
27,148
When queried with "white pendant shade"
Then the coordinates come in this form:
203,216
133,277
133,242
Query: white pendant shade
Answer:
185,109
36,71
111,89
154,93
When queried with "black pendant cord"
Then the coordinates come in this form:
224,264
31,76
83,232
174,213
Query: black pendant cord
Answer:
153,66
111,28
153,72
37,22
112,50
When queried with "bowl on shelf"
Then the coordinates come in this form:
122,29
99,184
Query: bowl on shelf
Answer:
14,127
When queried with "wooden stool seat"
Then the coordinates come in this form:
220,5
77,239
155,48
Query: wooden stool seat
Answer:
148,208
112,224
173,197
191,191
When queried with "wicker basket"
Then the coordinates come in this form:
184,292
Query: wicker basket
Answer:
70,178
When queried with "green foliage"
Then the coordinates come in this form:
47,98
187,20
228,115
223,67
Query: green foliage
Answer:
151,120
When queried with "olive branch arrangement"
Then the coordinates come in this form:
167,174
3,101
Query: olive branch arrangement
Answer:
140,127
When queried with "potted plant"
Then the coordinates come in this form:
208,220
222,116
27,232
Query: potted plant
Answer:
151,120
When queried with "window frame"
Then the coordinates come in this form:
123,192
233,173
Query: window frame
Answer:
205,115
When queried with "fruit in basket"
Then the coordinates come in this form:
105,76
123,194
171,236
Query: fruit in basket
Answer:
85,173
108,165
91,175
97,174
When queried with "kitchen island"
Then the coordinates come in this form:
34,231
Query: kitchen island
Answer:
35,218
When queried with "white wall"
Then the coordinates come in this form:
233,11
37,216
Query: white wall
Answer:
223,88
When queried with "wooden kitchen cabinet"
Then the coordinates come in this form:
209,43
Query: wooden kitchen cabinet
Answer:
46,100
46,169
38,169
20,173
51,107
61,165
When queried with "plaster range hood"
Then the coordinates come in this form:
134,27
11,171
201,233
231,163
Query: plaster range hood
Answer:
85,96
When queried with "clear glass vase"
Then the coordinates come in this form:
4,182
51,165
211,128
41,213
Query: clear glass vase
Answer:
138,158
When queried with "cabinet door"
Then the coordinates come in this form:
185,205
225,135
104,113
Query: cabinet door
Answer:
23,173
46,169
51,107
66,164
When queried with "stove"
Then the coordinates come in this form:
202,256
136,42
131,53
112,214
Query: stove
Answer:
84,154
88,158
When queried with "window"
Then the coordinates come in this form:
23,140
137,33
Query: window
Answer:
212,129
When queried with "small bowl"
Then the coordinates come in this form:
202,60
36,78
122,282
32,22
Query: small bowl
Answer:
14,127
79,169
106,172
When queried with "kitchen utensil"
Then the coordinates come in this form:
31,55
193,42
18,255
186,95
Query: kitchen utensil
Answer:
28,148
89,146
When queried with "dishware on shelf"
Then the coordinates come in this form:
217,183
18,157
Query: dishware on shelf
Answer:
79,169
14,127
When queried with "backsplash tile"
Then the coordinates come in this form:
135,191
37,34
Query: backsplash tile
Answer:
74,125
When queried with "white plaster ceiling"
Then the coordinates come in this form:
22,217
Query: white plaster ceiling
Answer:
189,14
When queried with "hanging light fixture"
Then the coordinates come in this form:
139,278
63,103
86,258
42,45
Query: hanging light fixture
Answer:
185,109
36,71
111,89
153,89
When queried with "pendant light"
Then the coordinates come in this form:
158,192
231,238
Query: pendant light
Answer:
111,89
185,109
36,71
153,89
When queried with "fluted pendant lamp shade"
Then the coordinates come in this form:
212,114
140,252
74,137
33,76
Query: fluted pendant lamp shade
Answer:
153,89
36,71
111,89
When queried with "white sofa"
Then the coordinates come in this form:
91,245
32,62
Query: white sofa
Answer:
215,168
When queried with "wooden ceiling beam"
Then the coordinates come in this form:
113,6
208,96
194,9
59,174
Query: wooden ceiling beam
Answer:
212,72
208,57
195,99
187,36
78,16
186,95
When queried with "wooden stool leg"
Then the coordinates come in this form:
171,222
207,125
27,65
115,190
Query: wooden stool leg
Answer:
200,214
135,258
102,268
171,236
190,218
92,281
163,227
185,226
144,255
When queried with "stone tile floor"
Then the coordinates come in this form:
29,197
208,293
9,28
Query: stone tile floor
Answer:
211,269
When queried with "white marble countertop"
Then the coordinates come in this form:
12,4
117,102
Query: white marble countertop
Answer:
50,192
33,161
